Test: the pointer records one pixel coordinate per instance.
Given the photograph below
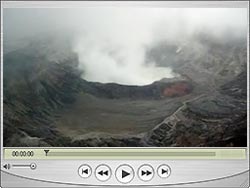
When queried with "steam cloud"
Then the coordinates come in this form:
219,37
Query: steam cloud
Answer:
111,42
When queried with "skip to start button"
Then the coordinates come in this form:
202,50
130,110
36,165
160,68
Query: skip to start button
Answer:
84,171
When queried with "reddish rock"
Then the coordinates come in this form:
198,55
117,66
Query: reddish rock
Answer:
177,89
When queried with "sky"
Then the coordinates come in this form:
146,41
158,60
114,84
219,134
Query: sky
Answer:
111,42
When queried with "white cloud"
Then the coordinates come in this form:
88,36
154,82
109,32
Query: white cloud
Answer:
111,41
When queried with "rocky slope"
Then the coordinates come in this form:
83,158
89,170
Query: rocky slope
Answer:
37,90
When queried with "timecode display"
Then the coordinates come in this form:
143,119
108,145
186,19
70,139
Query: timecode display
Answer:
22,153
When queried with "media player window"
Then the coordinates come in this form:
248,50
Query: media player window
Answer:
117,93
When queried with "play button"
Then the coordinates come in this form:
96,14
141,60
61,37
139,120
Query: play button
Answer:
124,173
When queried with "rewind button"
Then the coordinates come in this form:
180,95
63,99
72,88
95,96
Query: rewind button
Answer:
103,172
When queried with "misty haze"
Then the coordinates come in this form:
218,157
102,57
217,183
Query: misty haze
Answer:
125,77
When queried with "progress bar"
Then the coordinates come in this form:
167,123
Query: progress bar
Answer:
125,153
172,154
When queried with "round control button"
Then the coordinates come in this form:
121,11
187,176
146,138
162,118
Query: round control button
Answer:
103,172
145,172
33,166
84,171
124,173
164,171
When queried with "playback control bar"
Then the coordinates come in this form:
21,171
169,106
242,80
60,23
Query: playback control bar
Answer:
124,173
125,153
